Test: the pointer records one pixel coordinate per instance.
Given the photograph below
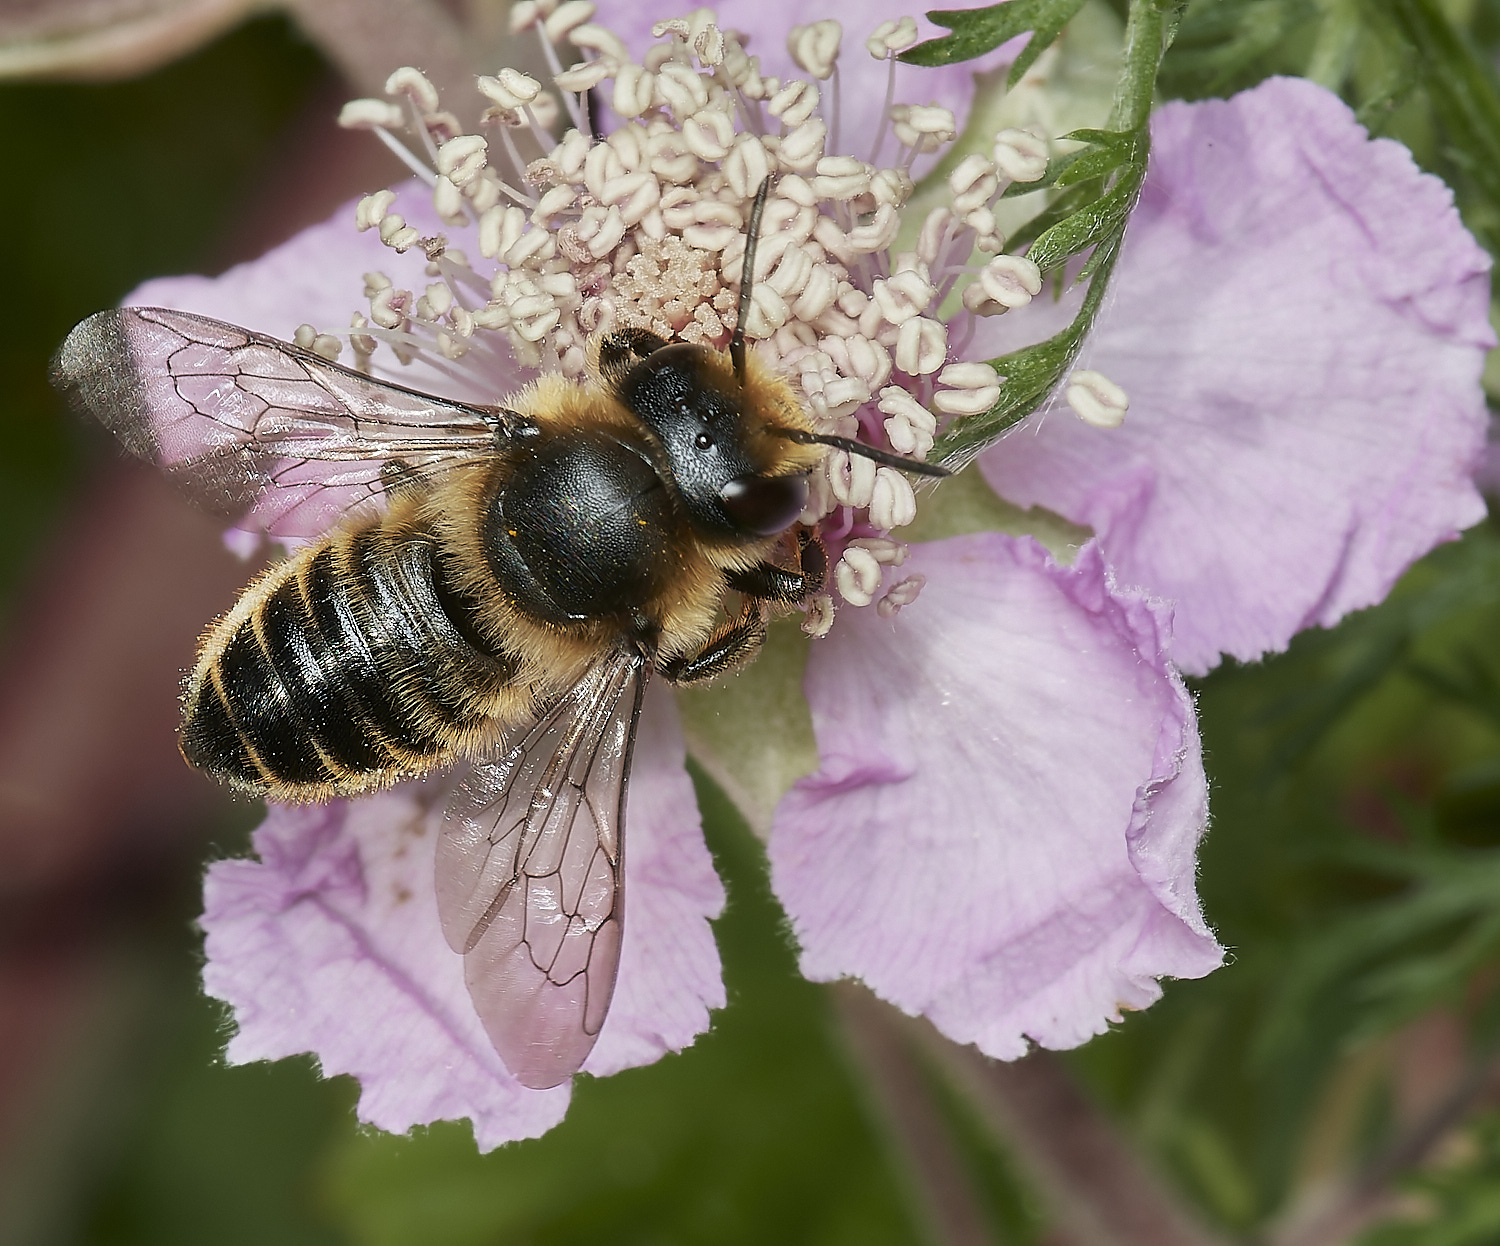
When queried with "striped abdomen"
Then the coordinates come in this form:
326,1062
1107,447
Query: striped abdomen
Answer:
348,667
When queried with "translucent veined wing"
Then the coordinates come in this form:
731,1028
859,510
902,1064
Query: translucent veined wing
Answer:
530,873
259,432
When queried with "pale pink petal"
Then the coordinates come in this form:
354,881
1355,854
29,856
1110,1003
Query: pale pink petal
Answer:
330,943
1002,833
1300,322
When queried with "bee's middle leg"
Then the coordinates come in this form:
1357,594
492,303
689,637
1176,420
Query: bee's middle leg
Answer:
731,645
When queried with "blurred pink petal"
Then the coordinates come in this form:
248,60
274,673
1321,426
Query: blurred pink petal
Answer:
1300,320
1002,834
330,943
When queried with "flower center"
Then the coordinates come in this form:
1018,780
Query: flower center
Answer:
636,218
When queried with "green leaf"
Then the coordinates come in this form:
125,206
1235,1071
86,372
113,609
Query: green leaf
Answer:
977,31
1090,225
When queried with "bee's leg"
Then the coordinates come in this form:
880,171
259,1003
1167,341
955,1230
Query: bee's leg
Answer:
779,584
619,352
731,645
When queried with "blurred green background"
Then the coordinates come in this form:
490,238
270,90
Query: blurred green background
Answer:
1353,864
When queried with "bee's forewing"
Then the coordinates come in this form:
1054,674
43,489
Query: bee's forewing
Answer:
530,874
256,431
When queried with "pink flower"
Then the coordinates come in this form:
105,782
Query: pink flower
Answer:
1001,830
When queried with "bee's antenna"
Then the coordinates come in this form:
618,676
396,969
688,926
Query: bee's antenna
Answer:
747,281
915,466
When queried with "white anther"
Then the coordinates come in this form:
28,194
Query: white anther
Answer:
877,234
462,320
536,328
709,45
451,347
815,47
708,134
864,358
792,273
528,13
448,201
921,346
924,127
936,233
1097,399
911,426
1006,282
671,161
857,576
671,26
567,17
601,231
887,551
1020,155
569,155
891,187
635,88
374,283
388,307
892,502
509,88
368,114
304,336
681,89
973,183
439,298
803,147
901,594
600,40
903,296
413,84
372,209
629,143
844,395
602,166
841,177
363,343
982,222
585,75
636,194
768,310
558,199
852,477
973,388
534,244
499,228
396,233
747,165
891,37
794,103
817,294
819,617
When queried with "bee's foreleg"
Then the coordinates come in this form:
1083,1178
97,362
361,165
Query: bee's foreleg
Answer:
781,585
621,351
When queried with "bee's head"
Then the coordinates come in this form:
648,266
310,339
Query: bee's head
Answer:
737,443
736,475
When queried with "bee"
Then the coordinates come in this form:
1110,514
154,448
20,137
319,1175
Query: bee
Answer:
501,587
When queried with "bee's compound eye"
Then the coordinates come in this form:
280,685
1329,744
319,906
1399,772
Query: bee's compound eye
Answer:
762,504
703,441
